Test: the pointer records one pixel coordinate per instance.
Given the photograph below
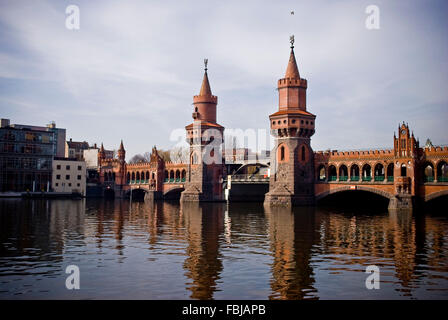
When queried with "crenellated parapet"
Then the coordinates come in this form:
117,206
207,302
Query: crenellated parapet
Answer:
322,156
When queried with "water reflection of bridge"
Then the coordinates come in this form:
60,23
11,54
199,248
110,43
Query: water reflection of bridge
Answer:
293,245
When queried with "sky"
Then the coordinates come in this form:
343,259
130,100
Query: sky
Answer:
131,70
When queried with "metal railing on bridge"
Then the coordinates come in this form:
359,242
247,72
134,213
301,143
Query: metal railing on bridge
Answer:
252,178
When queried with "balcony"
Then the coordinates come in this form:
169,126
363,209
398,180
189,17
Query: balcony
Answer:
332,178
343,178
379,178
442,179
428,179
390,178
367,179
354,178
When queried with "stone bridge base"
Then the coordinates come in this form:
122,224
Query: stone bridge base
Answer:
401,202
196,196
153,195
287,200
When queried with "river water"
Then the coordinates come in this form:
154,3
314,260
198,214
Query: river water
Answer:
217,251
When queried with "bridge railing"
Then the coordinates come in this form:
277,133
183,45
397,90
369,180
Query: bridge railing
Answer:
249,177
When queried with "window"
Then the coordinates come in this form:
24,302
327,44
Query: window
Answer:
58,176
69,184
403,170
303,153
67,177
79,177
57,184
282,153
58,167
79,167
67,167
78,184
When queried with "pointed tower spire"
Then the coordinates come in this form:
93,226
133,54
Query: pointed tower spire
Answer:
102,147
292,71
121,152
205,87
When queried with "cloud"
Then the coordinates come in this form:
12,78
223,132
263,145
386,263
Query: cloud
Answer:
131,70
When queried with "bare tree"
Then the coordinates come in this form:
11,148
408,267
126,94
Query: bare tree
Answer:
137,158
147,156
164,154
179,154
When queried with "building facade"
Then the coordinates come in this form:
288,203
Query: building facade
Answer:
75,149
25,158
58,134
69,176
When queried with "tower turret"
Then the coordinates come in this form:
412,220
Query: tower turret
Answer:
206,137
292,163
205,103
121,152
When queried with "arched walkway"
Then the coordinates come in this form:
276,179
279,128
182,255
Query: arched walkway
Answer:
358,188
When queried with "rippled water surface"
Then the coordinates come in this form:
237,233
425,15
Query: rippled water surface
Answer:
215,251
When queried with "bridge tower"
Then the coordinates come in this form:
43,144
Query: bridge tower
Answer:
120,177
206,166
292,163
405,172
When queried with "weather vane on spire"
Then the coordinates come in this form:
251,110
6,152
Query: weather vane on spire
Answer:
291,39
205,64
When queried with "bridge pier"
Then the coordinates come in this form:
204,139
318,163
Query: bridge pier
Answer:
153,195
403,202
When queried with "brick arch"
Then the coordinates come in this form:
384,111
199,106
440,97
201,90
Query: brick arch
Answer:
382,193
435,195
173,190
128,190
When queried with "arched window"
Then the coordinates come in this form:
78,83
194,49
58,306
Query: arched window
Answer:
194,158
343,173
403,170
321,173
428,172
303,153
133,177
366,173
166,176
147,175
153,176
354,173
184,174
379,172
128,178
177,175
332,173
137,176
113,176
282,153
442,172
171,176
